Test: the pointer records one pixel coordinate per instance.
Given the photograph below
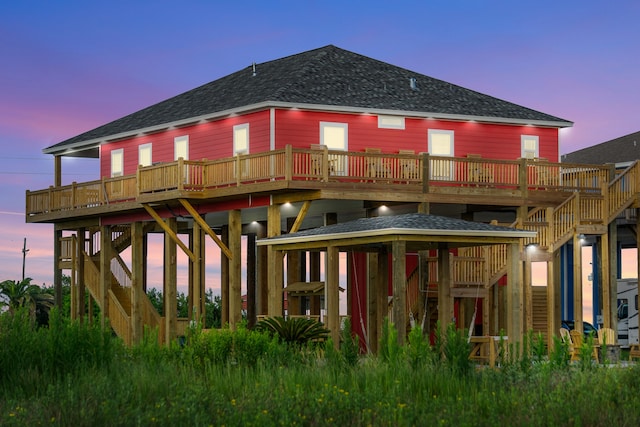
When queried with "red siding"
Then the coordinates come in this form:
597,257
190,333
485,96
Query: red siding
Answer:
302,128
211,140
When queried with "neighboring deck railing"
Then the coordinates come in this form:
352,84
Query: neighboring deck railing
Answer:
422,171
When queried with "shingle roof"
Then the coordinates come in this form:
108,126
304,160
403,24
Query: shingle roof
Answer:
414,223
620,150
328,76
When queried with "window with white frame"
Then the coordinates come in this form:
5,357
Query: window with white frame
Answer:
241,139
391,122
441,145
144,155
181,148
335,136
530,146
117,162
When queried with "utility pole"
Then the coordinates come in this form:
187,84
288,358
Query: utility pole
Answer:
24,256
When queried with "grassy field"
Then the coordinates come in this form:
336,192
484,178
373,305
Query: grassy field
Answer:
76,375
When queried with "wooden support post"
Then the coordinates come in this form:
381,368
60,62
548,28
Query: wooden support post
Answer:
375,312
57,171
105,272
137,277
235,268
57,271
197,287
314,276
608,312
445,301
613,270
251,279
81,294
515,327
262,274
577,283
528,292
274,258
398,250
224,277
293,273
553,313
332,306
170,281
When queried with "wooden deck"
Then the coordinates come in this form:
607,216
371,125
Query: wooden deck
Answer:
340,174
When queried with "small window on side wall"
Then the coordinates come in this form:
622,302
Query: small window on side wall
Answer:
181,148
530,146
391,122
241,139
145,155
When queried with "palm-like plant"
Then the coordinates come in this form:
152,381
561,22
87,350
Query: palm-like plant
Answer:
296,330
15,294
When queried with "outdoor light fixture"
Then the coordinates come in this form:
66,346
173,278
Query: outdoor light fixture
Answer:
582,238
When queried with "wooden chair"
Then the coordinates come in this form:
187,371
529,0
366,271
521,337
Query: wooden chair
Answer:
634,352
408,167
565,336
577,338
606,336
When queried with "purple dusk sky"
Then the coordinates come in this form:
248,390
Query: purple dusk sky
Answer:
69,66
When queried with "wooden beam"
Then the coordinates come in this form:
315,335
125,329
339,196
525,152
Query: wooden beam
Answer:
469,293
375,312
445,300
235,269
332,291
577,283
137,279
398,251
303,212
274,260
515,327
224,278
169,232
202,223
605,284
105,273
170,281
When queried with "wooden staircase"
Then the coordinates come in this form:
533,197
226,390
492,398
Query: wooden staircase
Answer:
586,212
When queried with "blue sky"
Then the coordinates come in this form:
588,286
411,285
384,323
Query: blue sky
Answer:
69,66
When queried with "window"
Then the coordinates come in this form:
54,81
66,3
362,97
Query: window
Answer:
117,162
391,122
530,146
335,137
441,145
144,155
241,139
181,148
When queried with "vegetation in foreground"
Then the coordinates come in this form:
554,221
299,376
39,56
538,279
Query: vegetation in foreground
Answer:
75,374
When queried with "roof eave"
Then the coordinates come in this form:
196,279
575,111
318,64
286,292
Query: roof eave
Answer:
93,143
396,231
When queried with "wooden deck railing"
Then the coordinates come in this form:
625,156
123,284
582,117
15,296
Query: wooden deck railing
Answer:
429,173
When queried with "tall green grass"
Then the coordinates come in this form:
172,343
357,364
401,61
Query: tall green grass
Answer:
76,375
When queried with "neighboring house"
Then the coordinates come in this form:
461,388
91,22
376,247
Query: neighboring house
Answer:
620,151
320,137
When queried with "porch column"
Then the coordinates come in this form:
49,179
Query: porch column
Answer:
274,261
553,298
81,291
608,312
170,282
398,250
262,274
293,274
314,276
197,276
57,271
137,278
235,268
577,283
445,301
527,292
515,301
224,278
332,303
105,273
613,270
251,279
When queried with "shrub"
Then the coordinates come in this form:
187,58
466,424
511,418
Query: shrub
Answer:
294,330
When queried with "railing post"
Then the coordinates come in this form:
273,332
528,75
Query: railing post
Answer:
238,171
523,178
325,163
288,163
425,172
182,174
138,182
